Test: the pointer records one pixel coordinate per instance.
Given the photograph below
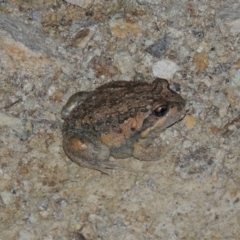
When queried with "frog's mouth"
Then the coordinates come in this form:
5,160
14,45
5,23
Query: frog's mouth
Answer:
165,118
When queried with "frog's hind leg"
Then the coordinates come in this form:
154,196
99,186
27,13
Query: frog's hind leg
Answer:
86,150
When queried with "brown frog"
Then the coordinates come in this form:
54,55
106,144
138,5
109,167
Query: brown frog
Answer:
119,119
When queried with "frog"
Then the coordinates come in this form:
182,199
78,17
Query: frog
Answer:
119,119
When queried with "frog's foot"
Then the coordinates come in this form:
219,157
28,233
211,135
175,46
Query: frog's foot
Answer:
87,150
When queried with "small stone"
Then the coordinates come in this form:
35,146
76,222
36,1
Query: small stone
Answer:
11,122
141,215
125,77
81,3
23,171
190,122
7,197
83,37
236,79
85,84
147,2
216,235
201,61
159,48
223,112
124,62
28,87
27,131
54,148
43,205
33,219
230,16
57,96
197,32
219,100
123,27
30,103
238,63
233,95
81,32
103,66
164,69
151,184
77,236
132,48
25,235
36,17
214,129
138,77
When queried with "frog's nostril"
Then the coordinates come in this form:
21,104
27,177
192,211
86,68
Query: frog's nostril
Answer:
161,111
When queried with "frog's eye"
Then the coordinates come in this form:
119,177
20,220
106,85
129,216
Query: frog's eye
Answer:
161,111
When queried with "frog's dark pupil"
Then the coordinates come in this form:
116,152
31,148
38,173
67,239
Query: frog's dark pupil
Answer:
161,111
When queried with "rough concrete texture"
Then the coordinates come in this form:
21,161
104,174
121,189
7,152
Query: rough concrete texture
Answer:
48,51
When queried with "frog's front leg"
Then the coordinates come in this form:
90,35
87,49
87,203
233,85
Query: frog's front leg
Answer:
74,101
144,150
86,150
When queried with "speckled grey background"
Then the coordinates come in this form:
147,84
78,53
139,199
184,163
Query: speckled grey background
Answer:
50,50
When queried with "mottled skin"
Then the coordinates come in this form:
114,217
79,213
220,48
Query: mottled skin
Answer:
119,119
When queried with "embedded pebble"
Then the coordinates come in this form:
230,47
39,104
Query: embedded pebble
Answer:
81,32
125,77
81,3
219,100
7,197
122,28
236,79
103,66
230,15
25,234
159,48
123,62
11,122
190,121
148,2
201,61
164,69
